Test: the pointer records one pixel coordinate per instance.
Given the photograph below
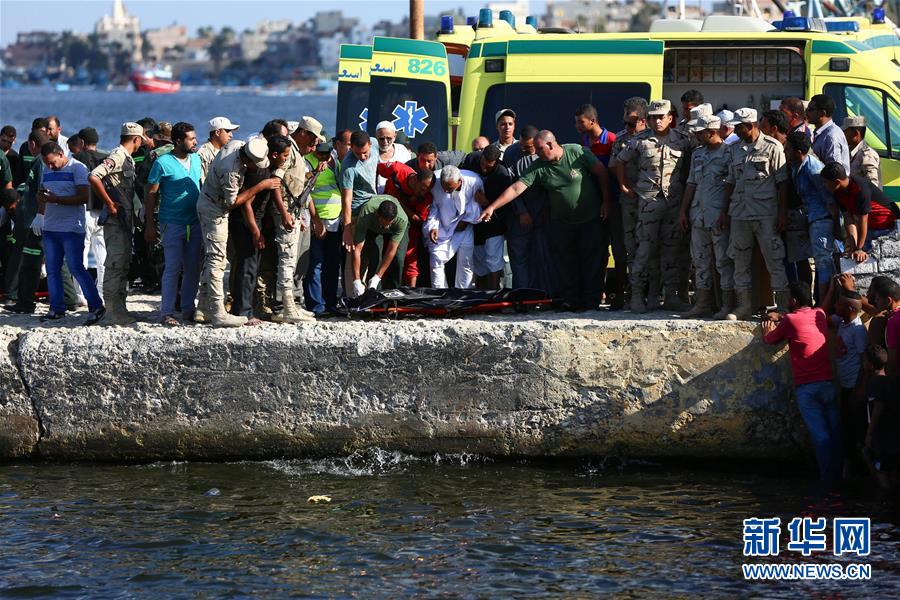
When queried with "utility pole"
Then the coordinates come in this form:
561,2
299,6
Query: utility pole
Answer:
417,19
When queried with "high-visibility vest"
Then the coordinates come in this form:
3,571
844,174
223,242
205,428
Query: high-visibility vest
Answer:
325,195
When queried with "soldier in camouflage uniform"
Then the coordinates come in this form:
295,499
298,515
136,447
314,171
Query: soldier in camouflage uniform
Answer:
756,206
113,182
658,157
700,211
635,118
864,161
222,192
294,223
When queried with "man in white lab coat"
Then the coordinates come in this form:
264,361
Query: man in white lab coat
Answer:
458,201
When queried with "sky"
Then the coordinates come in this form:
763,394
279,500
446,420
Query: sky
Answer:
80,15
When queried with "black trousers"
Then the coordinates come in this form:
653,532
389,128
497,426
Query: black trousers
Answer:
579,259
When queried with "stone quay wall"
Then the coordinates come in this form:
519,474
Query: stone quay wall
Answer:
536,385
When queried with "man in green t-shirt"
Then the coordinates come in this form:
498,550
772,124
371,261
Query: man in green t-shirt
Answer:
577,207
380,237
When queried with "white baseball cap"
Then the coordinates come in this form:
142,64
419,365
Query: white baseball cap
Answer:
222,123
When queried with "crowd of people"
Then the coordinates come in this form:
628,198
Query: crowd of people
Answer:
304,219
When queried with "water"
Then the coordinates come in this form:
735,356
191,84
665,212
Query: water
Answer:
106,111
400,526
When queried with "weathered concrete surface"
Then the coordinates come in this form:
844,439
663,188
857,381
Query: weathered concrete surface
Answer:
544,386
18,426
885,260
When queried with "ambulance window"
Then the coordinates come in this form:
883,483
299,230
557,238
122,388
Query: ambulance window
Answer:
417,107
893,111
870,103
532,101
352,101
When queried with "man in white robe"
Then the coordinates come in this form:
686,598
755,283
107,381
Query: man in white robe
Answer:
458,201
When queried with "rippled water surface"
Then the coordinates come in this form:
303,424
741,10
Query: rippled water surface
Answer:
400,526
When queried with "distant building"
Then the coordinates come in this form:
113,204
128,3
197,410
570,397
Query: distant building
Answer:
296,46
32,48
196,50
330,47
519,8
253,42
120,28
162,42
591,15
330,22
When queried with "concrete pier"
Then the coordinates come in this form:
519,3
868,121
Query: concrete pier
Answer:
535,385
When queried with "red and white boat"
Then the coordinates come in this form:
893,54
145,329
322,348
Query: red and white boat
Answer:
155,81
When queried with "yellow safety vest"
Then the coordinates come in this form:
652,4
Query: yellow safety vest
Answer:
325,195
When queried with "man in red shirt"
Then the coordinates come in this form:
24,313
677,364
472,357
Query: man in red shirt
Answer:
805,328
593,136
886,297
413,190
868,213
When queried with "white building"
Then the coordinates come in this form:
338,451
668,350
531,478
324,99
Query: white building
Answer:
330,47
253,43
122,28
519,8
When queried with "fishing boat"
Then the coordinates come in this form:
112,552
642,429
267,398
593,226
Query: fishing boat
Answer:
157,80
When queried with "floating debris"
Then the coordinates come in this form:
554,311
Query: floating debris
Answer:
317,499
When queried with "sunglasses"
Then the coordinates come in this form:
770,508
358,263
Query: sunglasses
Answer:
631,124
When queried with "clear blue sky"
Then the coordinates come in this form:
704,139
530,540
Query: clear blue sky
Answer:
80,15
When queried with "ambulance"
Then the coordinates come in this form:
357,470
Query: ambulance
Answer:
544,76
353,86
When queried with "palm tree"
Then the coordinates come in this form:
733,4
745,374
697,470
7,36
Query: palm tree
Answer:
218,48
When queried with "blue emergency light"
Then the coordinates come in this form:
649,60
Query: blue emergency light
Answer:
446,24
531,20
878,15
506,15
472,21
801,24
485,18
842,26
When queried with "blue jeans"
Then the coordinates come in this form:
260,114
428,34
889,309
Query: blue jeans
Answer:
321,282
819,407
183,251
821,238
68,245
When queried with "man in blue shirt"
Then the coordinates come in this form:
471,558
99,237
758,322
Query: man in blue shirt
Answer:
829,142
62,197
175,178
357,183
817,202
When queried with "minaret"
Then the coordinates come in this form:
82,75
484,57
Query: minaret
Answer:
118,11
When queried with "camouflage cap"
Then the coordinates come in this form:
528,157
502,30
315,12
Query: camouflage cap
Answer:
163,130
703,110
131,128
858,121
706,122
659,107
743,115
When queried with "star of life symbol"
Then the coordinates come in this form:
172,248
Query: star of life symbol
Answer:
363,118
410,118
